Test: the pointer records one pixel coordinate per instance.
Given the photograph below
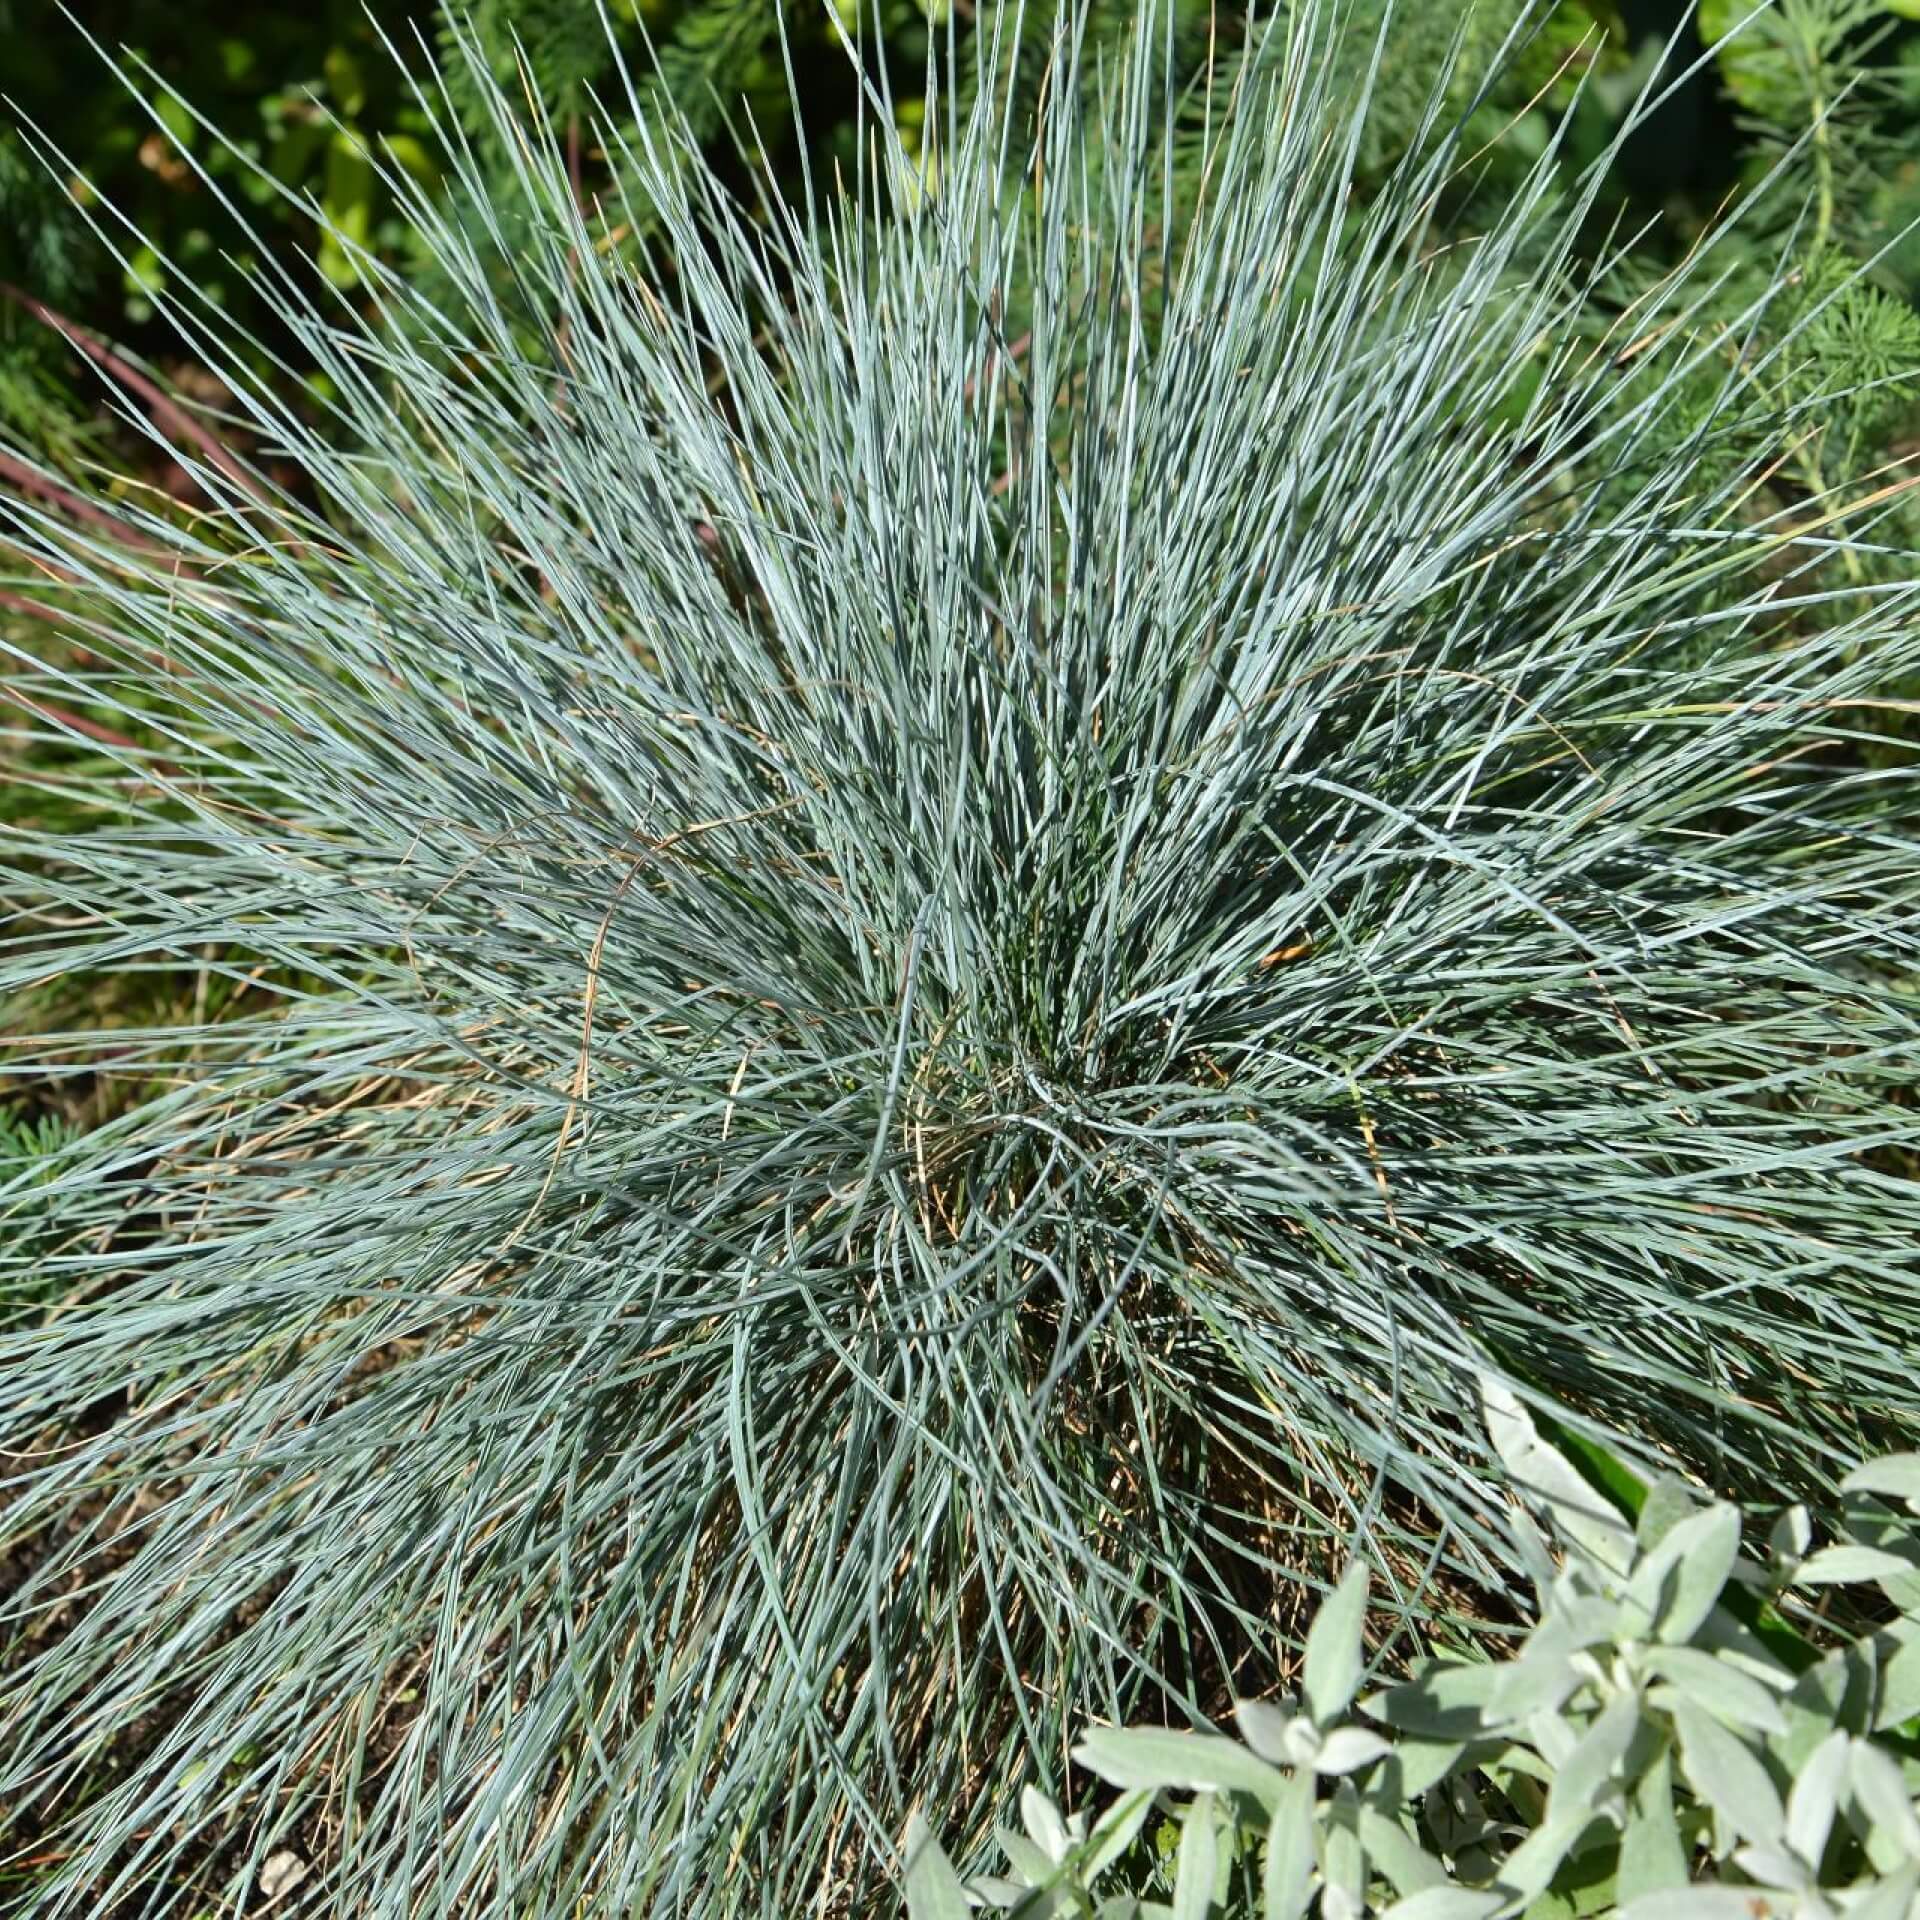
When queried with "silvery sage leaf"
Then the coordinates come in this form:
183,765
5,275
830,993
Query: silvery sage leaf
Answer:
1668,1502
1814,1797
1265,1727
1881,1793
1554,1735
1894,1475
1696,1902
1869,1519
1347,1749
1700,1553
1397,1855
1891,1898
1450,1700
1602,1747
1446,1903
934,1891
1197,1866
1722,1689
1043,1823
1335,1655
1728,1775
1899,1698
1584,1516
1163,1759
1773,1867
1026,1857
1790,1534
1536,1683
1734,1641
1284,1739
1343,1858
1415,1764
1116,1831
999,1893
1838,1690
1586,1620
1836,1566
1287,1877
1652,1859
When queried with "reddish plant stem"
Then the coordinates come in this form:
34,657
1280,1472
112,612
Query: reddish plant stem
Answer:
33,609
165,407
29,481
91,729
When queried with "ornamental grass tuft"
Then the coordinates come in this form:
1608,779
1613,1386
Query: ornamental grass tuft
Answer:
934,908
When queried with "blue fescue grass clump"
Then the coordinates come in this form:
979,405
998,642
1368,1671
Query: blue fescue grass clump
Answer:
922,1000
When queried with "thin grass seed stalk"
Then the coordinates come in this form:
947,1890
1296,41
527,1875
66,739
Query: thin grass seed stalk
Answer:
920,997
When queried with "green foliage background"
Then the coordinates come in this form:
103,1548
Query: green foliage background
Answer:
1829,90
306,92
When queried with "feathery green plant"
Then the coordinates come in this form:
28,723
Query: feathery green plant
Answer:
30,1150
724,73
1807,81
564,52
37,245
1818,95
939,996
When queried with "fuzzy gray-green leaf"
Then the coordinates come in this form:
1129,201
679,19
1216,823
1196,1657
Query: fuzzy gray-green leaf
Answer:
1335,1652
1288,1868
1728,1775
933,1888
1150,1757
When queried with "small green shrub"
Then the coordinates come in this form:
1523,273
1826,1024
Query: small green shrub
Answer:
926,995
31,1150
1646,1752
